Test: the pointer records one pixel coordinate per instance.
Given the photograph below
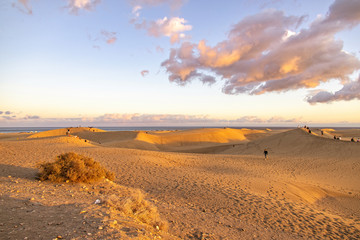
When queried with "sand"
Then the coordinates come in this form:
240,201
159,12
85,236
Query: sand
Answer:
207,183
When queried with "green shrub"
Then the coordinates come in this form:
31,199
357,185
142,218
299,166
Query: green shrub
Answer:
72,167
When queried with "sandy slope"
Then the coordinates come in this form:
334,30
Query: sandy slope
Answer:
308,188
186,140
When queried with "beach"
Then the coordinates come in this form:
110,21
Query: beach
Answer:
211,183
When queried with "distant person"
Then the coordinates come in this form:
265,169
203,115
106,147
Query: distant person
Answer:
322,132
358,140
335,137
266,153
352,139
309,131
339,138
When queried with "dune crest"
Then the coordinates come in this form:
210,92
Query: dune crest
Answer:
196,136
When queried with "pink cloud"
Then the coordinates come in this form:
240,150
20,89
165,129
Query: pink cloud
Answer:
144,73
349,91
110,37
174,4
76,5
173,28
264,53
23,6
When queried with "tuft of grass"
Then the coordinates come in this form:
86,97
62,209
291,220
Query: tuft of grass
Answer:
136,206
72,167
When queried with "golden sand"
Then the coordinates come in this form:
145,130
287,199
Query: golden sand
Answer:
206,183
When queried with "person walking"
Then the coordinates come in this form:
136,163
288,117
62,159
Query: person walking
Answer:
266,153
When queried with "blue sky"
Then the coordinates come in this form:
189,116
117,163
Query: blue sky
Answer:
178,62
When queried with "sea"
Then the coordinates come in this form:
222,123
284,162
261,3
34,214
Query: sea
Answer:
150,128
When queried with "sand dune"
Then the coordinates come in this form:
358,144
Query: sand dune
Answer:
165,140
62,132
298,142
309,187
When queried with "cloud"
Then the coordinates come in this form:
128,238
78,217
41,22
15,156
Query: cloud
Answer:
136,11
31,117
349,91
265,53
110,37
174,4
76,5
159,49
10,118
23,6
144,73
185,119
276,119
173,28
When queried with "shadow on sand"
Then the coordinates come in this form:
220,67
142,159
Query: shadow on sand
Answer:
19,172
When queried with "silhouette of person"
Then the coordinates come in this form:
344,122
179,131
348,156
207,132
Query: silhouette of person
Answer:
265,153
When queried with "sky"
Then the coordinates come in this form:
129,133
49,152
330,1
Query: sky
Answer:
179,63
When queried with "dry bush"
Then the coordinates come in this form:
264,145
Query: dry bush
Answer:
73,167
137,207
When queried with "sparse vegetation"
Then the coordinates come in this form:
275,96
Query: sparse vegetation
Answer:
138,207
72,167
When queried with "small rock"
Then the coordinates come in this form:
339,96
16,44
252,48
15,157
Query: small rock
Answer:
59,237
100,228
89,234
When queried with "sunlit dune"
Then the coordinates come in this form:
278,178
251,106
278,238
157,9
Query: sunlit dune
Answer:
62,132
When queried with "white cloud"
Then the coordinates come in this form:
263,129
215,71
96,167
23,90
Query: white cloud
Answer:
76,5
173,28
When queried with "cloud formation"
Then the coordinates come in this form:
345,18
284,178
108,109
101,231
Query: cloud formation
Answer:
349,91
23,6
76,5
173,28
185,119
31,117
136,119
144,73
110,37
174,4
264,53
